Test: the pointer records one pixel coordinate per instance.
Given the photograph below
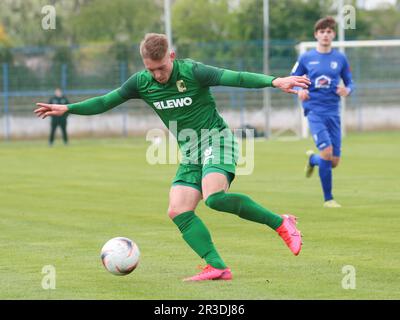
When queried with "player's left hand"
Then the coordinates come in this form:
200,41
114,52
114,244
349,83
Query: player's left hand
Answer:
342,91
287,84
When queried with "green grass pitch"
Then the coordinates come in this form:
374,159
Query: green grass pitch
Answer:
59,205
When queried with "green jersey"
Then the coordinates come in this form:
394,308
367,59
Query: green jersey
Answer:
185,100
185,103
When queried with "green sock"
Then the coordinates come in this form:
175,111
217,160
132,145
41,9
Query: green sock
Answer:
197,236
244,207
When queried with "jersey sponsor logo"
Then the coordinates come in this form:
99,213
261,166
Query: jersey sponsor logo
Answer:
323,82
313,62
173,103
180,84
334,64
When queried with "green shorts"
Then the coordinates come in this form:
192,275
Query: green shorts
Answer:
221,158
191,175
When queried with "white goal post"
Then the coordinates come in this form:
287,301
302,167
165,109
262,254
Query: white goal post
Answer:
302,47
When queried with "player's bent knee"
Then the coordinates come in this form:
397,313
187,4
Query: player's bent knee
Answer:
327,154
173,212
216,201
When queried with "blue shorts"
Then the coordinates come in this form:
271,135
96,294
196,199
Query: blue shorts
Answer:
326,131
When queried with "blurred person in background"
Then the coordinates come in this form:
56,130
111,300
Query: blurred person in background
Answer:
58,120
325,67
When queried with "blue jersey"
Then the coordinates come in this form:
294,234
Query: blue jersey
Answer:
324,71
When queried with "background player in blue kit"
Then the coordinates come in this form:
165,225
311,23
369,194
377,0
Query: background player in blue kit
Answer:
325,67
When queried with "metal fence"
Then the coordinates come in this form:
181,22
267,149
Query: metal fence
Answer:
93,70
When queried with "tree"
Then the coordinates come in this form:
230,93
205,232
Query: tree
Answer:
4,39
202,28
120,20
380,23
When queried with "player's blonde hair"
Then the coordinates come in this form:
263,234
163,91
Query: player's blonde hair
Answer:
154,46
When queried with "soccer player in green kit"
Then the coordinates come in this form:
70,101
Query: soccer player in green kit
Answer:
179,92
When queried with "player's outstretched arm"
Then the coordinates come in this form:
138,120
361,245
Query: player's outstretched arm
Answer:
212,76
287,84
87,107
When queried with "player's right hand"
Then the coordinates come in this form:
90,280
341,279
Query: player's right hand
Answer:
303,94
46,110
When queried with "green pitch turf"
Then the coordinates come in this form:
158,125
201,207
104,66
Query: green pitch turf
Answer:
59,205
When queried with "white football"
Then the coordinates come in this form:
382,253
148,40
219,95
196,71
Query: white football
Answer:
120,256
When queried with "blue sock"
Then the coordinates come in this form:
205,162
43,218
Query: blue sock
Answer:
315,159
325,175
